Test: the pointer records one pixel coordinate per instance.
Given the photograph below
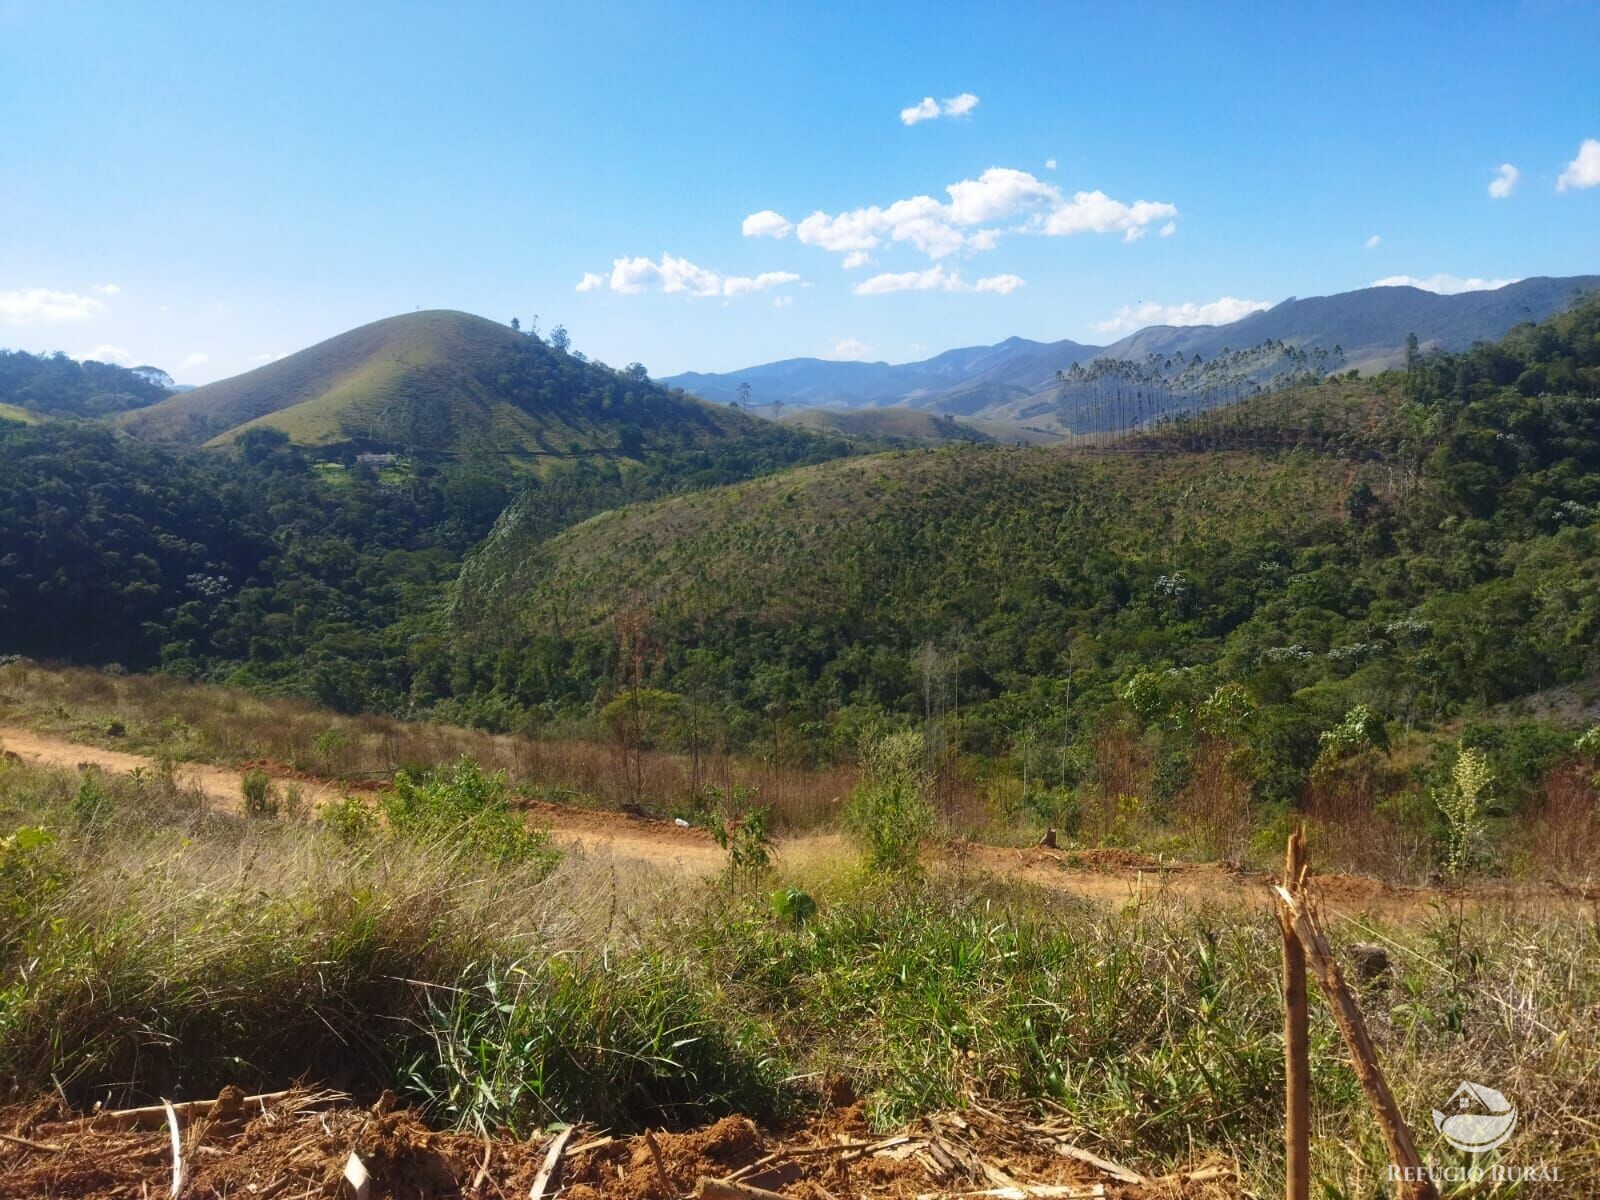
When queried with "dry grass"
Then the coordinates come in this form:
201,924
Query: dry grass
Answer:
200,722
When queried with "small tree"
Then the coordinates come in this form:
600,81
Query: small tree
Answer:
1462,805
561,339
890,811
744,395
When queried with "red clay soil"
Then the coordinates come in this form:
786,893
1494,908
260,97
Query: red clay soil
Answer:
298,1145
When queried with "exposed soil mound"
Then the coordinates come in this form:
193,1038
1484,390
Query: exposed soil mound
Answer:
300,1143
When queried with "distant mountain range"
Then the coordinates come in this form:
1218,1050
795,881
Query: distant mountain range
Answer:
1009,380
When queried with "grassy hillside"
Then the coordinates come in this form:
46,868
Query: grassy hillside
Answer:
886,424
442,383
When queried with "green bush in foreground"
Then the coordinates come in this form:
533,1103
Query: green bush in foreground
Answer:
890,811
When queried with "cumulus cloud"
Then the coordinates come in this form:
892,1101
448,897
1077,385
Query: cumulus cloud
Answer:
849,350
31,306
959,106
929,109
197,359
767,223
671,274
591,282
1583,171
969,220
1096,212
1504,181
107,354
106,289
1445,285
1372,242
855,259
266,358
782,301
1049,164
1221,311
935,279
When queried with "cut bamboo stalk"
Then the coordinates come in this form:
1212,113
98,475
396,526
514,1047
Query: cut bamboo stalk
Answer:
552,1160
721,1189
1363,1054
1296,1039
177,1149
661,1163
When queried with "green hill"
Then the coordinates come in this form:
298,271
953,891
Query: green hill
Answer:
443,383
1432,550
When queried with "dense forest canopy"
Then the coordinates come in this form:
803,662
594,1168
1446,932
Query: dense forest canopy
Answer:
56,385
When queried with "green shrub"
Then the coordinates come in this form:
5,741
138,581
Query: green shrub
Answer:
890,811
92,802
260,794
465,806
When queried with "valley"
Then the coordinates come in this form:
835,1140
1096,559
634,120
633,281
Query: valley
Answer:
437,715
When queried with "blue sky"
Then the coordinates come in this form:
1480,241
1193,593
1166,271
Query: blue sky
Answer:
205,186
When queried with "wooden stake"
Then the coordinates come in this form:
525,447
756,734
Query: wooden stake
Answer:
1296,1039
1302,917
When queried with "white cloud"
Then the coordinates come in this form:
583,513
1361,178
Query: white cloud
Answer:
929,109
1372,242
960,106
849,350
1004,285
1170,228
590,282
630,276
43,305
107,354
1049,164
998,194
1445,285
1096,212
1504,181
856,258
935,279
106,289
266,358
1583,171
197,359
1221,311
767,223
782,301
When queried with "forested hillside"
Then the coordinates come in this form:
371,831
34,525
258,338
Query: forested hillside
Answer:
1439,556
261,565
55,385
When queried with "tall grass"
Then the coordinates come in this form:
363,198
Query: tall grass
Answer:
160,715
149,948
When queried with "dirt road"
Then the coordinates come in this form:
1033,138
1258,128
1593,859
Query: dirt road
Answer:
1112,877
